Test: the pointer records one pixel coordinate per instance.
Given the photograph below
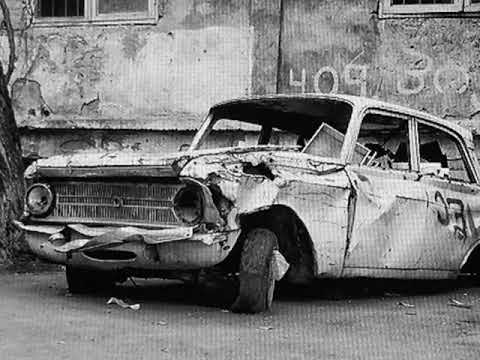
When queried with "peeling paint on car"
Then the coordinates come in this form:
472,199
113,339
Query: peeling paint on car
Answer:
361,220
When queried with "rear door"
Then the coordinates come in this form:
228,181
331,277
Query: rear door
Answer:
453,211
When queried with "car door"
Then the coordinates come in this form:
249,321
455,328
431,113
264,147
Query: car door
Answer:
388,228
453,211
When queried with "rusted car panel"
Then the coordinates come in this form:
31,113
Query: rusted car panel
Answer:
348,187
318,192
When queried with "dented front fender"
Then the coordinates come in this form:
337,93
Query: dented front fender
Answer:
317,191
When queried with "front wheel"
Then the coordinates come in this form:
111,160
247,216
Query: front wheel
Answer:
82,281
256,278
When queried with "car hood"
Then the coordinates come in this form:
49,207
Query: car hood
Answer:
129,163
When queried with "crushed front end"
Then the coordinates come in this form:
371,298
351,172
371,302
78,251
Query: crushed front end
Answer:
129,216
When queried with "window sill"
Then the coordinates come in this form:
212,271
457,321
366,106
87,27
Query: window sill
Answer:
428,11
390,15
101,22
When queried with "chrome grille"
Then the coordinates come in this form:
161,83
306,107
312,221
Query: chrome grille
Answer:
101,202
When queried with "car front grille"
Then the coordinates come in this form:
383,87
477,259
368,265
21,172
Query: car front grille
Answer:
115,203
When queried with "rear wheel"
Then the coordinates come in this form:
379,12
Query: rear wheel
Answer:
256,278
81,281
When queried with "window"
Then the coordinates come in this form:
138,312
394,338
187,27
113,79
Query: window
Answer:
60,8
75,11
415,7
328,142
232,133
441,155
386,137
285,121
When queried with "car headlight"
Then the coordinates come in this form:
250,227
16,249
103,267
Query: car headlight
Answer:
39,199
188,205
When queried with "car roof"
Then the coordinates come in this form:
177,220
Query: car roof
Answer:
356,101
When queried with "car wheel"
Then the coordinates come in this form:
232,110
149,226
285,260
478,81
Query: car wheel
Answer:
81,281
256,280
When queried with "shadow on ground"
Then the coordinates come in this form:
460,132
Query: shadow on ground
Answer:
223,294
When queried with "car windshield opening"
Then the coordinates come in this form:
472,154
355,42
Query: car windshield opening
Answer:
290,121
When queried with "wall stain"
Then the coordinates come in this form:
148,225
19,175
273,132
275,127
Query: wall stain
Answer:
132,44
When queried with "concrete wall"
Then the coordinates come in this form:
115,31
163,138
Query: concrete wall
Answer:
200,52
342,45
163,77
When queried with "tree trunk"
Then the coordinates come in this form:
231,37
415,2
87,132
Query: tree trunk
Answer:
11,165
11,180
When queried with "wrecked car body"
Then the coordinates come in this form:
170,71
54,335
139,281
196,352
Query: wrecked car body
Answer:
293,188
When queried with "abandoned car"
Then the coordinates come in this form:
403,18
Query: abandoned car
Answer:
286,187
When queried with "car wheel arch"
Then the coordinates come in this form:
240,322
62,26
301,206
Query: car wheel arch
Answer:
295,242
471,261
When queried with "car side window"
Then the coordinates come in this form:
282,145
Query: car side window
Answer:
386,136
441,155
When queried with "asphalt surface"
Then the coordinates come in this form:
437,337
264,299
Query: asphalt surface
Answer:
342,320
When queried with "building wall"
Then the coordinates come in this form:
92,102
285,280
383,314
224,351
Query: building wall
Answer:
342,45
164,77
199,53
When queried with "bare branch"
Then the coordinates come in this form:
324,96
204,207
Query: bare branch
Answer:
11,40
28,9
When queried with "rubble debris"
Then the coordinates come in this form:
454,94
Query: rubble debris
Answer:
405,304
280,265
265,328
123,304
459,304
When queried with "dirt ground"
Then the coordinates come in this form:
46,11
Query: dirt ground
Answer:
342,320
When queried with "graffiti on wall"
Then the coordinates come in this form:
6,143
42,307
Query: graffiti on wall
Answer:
411,79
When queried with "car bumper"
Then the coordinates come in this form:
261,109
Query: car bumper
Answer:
116,248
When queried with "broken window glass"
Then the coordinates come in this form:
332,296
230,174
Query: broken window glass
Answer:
387,139
285,121
328,142
60,8
440,154
232,133
122,6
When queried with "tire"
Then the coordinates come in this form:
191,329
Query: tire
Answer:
256,281
82,281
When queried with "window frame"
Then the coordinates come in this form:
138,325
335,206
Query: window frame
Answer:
471,7
459,8
91,16
462,148
413,166
388,8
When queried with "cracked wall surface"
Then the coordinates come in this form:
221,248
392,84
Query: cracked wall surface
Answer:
204,51
343,46
198,53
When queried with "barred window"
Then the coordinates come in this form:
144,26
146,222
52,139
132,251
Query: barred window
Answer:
415,7
71,11
60,8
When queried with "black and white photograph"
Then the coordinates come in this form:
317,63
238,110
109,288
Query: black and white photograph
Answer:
240,179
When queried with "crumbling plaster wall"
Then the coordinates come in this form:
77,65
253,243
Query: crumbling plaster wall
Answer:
343,45
200,52
165,76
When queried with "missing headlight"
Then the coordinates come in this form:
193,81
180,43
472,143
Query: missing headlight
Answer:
188,205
